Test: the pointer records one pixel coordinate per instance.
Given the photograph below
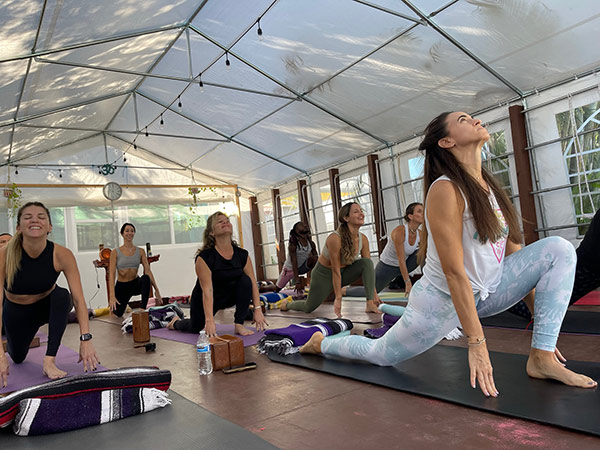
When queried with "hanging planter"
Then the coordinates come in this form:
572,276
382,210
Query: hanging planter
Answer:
14,198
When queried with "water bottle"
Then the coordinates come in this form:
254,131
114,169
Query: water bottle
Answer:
203,350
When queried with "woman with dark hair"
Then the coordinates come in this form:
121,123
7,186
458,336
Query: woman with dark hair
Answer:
29,267
302,257
399,256
475,267
126,260
225,279
344,259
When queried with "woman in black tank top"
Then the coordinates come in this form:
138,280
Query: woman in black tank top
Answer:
29,267
225,279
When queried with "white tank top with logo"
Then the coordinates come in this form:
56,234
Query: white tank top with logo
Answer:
483,262
389,256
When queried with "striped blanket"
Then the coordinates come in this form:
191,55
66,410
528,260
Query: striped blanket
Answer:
286,341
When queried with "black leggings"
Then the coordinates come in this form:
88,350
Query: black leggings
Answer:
238,294
22,322
124,290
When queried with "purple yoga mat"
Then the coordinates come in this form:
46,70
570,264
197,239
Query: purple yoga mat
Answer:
191,338
29,372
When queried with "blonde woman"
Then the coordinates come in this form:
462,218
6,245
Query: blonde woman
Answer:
29,267
344,259
225,278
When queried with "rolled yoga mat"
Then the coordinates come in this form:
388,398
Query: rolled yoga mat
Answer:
443,373
579,322
192,338
29,372
181,425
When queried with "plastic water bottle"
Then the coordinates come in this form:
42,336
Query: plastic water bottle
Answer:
203,350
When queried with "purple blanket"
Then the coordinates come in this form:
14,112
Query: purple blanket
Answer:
376,333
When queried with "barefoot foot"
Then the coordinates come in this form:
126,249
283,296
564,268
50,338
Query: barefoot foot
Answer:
242,330
50,370
542,364
372,308
314,344
283,305
171,324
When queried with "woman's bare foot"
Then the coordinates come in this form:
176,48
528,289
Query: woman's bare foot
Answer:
372,308
283,305
542,364
242,330
50,370
171,324
314,344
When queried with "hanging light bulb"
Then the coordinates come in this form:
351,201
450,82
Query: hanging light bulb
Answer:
59,173
146,131
16,170
134,145
259,31
179,104
227,62
162,123
200,83
124,158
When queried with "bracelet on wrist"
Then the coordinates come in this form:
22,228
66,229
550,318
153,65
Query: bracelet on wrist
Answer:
478,341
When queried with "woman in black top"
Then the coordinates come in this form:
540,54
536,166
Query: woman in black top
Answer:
225,278
29,267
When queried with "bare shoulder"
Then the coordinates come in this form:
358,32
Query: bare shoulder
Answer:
62,252
444,195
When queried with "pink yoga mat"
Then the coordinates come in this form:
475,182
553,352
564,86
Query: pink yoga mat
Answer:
591,299
191,338
29,372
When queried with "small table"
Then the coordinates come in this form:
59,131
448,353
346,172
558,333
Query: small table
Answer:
105,263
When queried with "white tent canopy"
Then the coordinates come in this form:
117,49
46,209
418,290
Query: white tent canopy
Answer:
82,82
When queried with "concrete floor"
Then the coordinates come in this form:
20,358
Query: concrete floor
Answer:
291,407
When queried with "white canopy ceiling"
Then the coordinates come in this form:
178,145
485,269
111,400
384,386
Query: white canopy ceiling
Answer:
330,80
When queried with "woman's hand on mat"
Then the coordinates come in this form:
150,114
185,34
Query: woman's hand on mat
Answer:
407,288
259,320
210,328
559,357
481,369
337,307
158,301
3,369
87,354
112,303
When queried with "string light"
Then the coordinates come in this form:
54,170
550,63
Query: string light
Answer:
16,170
146,131
134,145
59,173
162,123
259,31
200,83
227,62
179,104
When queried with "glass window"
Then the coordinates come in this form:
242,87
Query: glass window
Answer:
58,226
4,225
189,221
582,159
496,160
94,226
151,224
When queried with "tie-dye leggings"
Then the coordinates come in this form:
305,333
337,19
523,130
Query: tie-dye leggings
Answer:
547,265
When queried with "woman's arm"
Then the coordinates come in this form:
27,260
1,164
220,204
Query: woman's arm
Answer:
398,236
293,259
259,318
205,278
445,208
334,245
365,252
65,262
112,272
148,271
3,358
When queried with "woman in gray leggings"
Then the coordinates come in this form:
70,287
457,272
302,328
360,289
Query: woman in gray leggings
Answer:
344,259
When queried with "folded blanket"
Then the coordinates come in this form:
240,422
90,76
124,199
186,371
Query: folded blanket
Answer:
149,377
376,333
286,340
54,415
158,316
273,300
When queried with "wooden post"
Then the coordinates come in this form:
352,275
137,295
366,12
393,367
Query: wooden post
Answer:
378,211
257,239
336,196
524,178
303,202
279,235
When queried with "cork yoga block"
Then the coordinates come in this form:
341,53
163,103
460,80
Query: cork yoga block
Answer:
141,326
226,351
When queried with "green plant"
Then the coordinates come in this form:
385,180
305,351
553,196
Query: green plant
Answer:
14,198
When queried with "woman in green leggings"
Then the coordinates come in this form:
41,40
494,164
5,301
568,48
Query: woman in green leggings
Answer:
344,259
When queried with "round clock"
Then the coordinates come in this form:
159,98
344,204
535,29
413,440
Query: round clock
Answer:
112,191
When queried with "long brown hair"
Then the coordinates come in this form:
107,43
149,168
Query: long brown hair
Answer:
347,250
440,161
208,240
14,248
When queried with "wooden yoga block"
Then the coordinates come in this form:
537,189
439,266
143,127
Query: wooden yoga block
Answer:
141,326
226,351
34,343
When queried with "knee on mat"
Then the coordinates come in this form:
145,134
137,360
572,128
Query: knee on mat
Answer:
17,357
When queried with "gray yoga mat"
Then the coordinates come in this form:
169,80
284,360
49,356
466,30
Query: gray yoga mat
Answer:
443,373
182,425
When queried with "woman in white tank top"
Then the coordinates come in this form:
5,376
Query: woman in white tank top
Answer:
475,267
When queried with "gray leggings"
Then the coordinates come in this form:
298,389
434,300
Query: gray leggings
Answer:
321,283
384,274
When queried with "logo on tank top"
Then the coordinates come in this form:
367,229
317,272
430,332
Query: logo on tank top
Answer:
499,246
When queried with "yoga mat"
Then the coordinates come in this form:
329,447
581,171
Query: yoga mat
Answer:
29,372
192,338
443,373
181,425
354,318
578,322
591,299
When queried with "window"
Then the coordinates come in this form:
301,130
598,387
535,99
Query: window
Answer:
495,160
151,224
58,226
95,226
357,188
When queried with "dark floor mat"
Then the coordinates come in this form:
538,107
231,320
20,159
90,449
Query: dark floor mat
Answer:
182,425
580,322
443,373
